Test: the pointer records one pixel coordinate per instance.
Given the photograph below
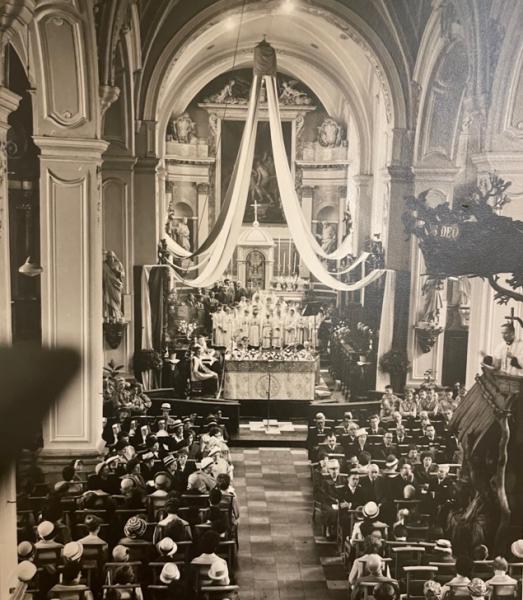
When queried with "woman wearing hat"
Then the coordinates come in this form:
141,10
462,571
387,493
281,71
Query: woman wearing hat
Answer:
170,576
202,480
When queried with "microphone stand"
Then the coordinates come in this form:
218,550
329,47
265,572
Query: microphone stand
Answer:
268,403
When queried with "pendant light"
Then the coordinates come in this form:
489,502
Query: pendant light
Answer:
30,269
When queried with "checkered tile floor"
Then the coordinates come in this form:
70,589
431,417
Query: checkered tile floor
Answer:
280,558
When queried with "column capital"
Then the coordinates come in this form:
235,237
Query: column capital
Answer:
307,190
8,103
203,188
71,149
400,173
147,164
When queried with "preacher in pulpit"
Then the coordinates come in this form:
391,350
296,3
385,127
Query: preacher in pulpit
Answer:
508,354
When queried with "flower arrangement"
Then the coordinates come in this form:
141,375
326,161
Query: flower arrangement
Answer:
394,362
147,359
186,329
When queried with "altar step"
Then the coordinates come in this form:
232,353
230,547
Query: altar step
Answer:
271,433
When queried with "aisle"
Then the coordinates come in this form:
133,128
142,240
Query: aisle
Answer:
279,558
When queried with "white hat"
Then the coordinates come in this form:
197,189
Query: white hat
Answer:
170,572
166,405
73,551
45,529
517,548
217,571
443,545
25,571
371,510
120,553
391,461
361,431
205,462
167,547
214,450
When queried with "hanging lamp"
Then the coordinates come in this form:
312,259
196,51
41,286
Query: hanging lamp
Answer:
30,269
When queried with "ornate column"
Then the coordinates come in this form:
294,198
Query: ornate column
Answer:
307,193
203,211
148,215
117,194
8,103
361,208
71,256
441,181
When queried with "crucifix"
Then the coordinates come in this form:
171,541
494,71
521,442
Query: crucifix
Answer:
513,318
255,223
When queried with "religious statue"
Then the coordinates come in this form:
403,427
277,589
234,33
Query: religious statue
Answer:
184,128
328,237
113,283
213,132
290,95
170,225
330,134
183,234
224,95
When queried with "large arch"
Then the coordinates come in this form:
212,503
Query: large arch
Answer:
306,40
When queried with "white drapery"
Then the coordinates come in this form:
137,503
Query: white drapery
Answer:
386,328
217,250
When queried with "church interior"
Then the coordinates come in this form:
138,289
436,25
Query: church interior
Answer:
261,299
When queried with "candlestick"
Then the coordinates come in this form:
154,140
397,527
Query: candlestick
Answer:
289,258
279,256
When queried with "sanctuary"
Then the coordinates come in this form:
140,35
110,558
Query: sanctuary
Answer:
261,299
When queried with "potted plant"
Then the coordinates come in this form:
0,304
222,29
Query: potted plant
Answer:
396,364
147,363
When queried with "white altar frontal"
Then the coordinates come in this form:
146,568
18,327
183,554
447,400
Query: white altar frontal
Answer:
270,379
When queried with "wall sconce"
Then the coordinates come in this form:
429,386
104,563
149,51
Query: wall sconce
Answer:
30,269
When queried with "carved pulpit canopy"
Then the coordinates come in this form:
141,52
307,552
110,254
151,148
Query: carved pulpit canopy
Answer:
470,238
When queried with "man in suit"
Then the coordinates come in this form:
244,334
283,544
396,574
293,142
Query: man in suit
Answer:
354,494
328,447
374,485
386,448
441,486
374,426
331,493
397,484
374,565
400,437
316,433
184,469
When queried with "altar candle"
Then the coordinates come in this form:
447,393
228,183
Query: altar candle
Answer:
289,258
279,256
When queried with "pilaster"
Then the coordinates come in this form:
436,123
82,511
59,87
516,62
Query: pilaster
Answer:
8,103
117,232
147,217
71,257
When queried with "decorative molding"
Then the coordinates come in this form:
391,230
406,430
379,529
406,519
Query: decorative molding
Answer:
71,149
60,34
108,95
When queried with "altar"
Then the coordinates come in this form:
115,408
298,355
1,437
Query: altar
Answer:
270,379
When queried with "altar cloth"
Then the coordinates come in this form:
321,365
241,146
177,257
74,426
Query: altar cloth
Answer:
270,379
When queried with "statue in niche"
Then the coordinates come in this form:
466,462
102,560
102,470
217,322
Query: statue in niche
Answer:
329,238
330,134
182,234
213,132
184,129
290,95
113,284
170,226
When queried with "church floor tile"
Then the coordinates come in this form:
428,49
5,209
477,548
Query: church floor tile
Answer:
281,556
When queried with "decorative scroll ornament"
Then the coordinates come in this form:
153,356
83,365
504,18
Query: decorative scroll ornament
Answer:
184,128
472,238
330,134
